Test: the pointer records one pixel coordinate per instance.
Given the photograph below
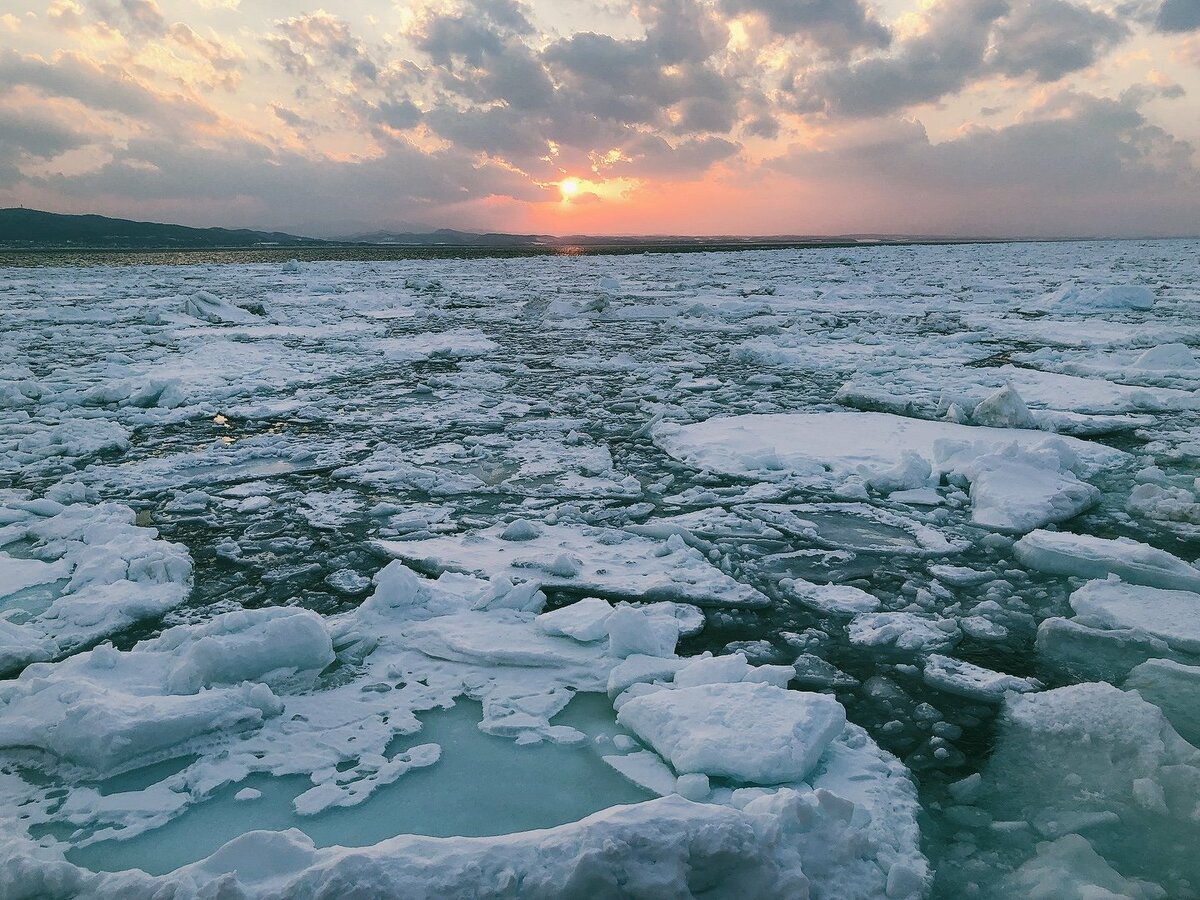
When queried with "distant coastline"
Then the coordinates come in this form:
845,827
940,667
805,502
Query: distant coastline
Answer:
38,238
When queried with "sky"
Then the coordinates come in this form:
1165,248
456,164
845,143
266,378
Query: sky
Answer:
754,117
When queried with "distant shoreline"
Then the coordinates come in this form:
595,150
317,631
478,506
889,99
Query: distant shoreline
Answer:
55,256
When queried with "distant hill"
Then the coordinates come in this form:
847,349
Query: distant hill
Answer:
33,229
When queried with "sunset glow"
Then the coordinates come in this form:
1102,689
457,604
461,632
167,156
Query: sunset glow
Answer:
682,116
569,187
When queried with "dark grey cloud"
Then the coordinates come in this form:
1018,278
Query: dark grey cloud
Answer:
924,68
965,40
281,186
838,25
1052,38
763,126
643,81
654,98
479,52
682,31
397,114
1178,15
650,156
29,135
293,119
497,130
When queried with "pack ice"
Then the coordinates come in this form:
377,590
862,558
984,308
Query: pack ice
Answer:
862,572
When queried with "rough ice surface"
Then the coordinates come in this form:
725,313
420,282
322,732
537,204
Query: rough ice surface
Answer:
855,572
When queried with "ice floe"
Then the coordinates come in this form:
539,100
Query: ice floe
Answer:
1019,479
584,560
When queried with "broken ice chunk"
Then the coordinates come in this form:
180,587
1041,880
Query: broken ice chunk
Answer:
585,620
904,631
1086,556
835,599
1172,616
750,732
1175,689
954,676
611,563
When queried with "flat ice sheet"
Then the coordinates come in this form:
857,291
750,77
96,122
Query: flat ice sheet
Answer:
840,443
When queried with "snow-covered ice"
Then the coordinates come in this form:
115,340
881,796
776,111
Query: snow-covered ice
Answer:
854,572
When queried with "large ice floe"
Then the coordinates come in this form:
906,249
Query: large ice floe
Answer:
1019,478
861,572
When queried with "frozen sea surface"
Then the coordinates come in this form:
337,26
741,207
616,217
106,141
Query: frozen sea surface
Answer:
840,572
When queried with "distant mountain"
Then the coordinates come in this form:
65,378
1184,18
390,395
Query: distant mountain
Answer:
32,229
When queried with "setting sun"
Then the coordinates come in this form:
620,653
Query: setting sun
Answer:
569,187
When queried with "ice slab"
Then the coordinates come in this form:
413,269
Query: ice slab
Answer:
956,676
1098,654
1087,556
582,559
903,631
977,391
841,443
750,732
105,709
1175,689
1094,759
457,343
835,599
1170,615
1020,479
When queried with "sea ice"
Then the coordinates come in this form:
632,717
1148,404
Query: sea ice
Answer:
114,573
1021,479
1172,616
751,732
1087,556
607,563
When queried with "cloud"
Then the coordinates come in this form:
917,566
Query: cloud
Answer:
65,14
102,87
226,61
133,18
1052,38
837,25
667,79
275,186
430,107
649,156
478,50
924,68
1178,15
963,41
35,135
308,44
1051,173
